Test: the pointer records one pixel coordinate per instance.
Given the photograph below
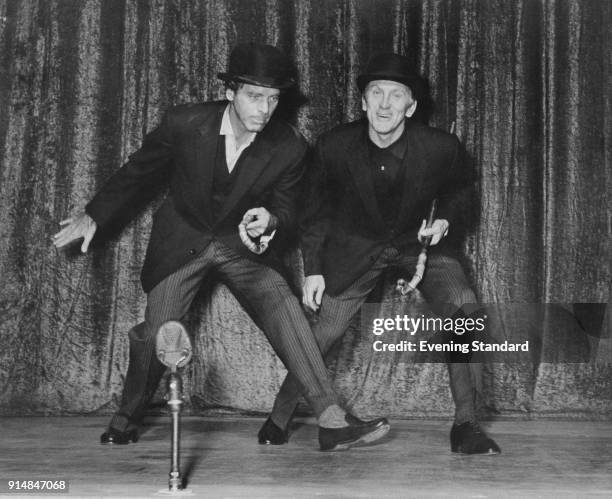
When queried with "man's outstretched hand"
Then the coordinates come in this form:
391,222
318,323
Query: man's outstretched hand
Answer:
80,226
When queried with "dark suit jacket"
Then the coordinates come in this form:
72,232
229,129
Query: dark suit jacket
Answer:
343,231
180,153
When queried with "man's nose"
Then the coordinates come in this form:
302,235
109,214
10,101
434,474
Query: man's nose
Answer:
264,106
386,101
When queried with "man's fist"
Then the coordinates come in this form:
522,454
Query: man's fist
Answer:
438,230
258,222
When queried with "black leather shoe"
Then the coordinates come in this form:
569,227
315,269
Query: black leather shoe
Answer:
355,421
271,434
357,433
116,437
468,438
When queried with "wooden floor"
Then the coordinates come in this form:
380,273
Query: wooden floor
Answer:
221,459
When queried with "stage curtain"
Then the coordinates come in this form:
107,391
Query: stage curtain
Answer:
526,82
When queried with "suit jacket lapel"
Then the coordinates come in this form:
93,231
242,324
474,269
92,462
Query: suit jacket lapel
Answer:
414,166
205,146
359,164
254,160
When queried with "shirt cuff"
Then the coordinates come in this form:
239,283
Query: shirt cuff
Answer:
272,225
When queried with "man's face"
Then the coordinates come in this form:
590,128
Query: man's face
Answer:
387,104
251,107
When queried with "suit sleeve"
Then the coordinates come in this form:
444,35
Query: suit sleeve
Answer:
317,214
456,197
282,203
136,182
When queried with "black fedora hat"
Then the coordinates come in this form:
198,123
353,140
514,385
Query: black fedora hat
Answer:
261,65
393,67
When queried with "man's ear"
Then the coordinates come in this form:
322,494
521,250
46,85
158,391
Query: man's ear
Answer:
410,111
364,107
229,94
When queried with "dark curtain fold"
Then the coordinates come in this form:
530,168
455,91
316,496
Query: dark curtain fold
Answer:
527,84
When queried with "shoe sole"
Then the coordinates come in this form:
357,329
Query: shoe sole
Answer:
490,452
269,442
112,442
366,439
119,443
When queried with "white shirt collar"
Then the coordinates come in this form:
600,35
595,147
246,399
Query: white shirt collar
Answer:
232,152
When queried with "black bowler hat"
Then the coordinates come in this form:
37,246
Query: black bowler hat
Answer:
393,67
261,65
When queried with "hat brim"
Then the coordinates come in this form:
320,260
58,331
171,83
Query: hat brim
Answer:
258,81
413,82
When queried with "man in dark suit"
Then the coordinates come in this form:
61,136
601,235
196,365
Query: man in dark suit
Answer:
227,164
374,181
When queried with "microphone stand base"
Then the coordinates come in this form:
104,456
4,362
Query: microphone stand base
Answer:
180,492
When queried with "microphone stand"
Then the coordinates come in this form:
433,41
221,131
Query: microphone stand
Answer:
173,349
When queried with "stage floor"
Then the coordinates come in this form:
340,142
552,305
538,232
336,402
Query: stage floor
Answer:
221,459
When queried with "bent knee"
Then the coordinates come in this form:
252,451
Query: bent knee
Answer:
461,296
141,332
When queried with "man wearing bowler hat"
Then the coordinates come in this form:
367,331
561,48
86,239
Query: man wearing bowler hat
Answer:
373,183
227,164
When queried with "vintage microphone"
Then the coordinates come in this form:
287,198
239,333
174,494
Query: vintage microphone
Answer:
173,349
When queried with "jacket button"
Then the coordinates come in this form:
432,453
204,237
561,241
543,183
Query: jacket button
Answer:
192,251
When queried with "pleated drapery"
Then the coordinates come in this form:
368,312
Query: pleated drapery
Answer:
527,82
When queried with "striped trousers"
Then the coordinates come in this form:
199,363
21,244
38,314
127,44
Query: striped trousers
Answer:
268,299
446,288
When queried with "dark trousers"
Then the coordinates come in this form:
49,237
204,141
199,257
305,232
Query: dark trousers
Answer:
267,298
445,287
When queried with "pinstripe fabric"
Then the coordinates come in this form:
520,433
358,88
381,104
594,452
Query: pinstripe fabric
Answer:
264,294
446,289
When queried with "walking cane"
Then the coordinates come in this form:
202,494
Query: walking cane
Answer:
408,287
173,349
